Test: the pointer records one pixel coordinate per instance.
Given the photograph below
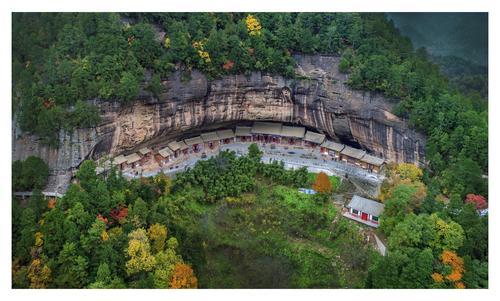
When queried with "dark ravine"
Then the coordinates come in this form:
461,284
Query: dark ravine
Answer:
319,100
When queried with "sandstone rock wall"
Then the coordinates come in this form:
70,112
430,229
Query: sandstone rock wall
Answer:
319,99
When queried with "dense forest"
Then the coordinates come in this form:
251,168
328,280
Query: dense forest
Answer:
113,233
63,62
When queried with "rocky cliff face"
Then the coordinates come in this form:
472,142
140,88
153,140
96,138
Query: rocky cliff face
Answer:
319,100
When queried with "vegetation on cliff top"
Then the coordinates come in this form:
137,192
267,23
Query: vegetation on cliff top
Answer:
62,60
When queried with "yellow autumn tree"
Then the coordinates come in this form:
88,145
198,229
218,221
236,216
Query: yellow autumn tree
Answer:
139,253
200,47
322,184
183,277
404,173
409,171
38,239
104,235
253,25
157,235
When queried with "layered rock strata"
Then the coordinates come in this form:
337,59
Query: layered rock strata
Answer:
318,99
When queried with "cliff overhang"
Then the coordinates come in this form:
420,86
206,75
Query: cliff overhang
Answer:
318,98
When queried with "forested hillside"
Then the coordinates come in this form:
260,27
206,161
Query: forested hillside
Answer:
61,62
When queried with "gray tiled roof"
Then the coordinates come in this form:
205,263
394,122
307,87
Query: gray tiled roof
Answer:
225,134
132,158
174,145
165,152
193,141
372,160
144,150
293,131
211,136
314,137
333,145
365,205
353,152
119,160
267,128
243,131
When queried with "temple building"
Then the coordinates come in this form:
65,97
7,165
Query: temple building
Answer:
292,134
146,153
195,143
313,139
260,132
184,147
164,156
364,210
226,136
211,140
332,148
120,161
133,160
372,163
352,155
266,132
175,147
243,133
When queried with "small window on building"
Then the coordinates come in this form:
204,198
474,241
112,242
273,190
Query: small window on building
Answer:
354,211
375,218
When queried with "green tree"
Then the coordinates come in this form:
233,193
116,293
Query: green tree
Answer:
165,264
103,277
129,87
71,268
17,175
53,231
138,213
476,233
155,85
398,270
49,122
396,207
34,173
254,152
84,115
26,238
447,235
86,175
143,44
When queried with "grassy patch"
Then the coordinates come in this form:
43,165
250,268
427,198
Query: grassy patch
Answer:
273,237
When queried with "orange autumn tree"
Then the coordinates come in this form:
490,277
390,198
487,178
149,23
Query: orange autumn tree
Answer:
322,184
456,263
39,274
52,203
183,277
